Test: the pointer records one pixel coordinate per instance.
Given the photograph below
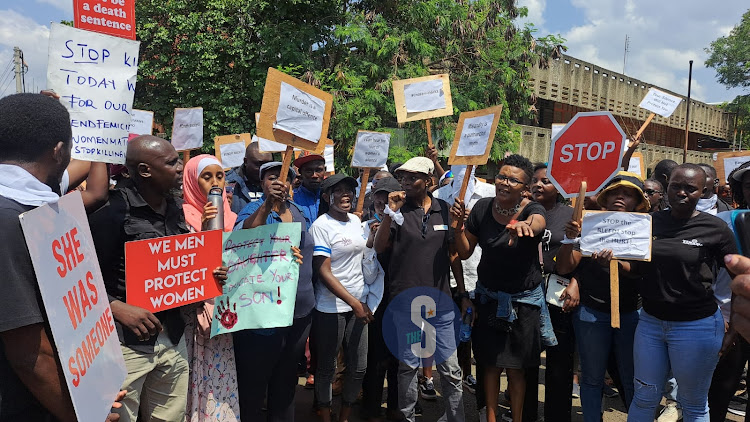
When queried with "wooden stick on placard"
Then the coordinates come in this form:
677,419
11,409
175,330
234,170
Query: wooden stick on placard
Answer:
578,209
614,292
429,133
462,192
185,156
643,127
286,163
361,198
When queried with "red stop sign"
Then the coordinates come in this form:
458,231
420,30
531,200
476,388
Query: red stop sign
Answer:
589,148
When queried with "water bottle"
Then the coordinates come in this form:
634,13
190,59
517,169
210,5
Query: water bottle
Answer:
465,333
215,198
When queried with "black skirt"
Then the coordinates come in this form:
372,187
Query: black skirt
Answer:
519,348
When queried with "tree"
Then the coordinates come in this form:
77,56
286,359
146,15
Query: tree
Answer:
740,107
730,55
215,53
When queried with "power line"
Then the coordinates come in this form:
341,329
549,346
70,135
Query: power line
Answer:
8,85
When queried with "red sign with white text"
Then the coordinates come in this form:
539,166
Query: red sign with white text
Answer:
169,272
589,148
111,17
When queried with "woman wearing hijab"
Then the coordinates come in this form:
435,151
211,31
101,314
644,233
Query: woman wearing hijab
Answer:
213,375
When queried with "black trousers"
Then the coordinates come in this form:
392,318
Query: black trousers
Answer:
558,375
726,379
380,362
267,362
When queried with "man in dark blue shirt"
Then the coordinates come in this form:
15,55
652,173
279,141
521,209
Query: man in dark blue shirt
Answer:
247,187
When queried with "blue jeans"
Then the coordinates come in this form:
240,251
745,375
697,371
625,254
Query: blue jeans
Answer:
690,348
596,338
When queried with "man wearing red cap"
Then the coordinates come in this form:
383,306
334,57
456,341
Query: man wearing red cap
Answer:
312,168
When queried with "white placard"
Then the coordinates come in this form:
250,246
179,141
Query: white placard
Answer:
142,122
634,166
660,102
371,149
94,74
187,130
328,155
556,285
475,135
70,281
232,155
628,234
556,128
264,145
299,113
424,96
731,163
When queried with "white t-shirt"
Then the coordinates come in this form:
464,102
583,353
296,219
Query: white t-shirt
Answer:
470,265
343,243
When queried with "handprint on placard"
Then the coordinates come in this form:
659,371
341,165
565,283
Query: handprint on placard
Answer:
226,317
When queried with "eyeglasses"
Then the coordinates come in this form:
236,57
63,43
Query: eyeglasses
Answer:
652,192
511,181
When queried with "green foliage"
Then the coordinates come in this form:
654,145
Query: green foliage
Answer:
215,54
730,55
740,106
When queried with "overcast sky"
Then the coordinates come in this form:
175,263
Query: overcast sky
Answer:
664,36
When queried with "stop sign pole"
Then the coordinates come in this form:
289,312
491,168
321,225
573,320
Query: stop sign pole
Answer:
583,157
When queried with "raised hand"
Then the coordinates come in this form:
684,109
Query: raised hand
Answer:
227,314
396,200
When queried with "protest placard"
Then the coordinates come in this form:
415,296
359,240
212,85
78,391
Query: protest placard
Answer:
187,129
371,149
94,74
474,135
113,17
636,165
261,285
141,122
293,113
172,271
422,98
328,155
75,300
264,145
628,234
726,162
231,149
659,102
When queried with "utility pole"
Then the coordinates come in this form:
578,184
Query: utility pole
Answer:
17,60
625,55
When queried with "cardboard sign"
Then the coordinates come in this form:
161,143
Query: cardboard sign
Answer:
70,281
422,98
261,288
264,145
231,149
726,162
187,129
474,136
294,113
142,122
172,271
113,17
628,234
371,149
636,165
556,128
94,74
660,102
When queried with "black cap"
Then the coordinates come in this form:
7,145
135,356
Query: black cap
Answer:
388,184
335,179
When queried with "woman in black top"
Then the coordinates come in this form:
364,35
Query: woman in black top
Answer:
681,326
592,320
509,228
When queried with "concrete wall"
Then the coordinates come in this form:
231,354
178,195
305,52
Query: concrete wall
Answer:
576,82
536,142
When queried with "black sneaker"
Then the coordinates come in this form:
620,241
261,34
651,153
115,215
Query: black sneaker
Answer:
470,384
427,390
738,404
417,409
610,392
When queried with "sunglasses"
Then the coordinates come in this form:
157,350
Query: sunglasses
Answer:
651,192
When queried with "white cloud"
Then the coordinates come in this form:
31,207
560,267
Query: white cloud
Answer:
20,31
664,36
536,12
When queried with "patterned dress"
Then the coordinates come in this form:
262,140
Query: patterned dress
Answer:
212,392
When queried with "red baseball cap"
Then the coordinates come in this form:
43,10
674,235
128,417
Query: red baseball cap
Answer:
306,158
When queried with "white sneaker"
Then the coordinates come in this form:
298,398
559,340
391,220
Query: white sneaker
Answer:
483,414
670,413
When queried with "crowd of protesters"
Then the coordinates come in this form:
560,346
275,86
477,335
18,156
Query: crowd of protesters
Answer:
493,253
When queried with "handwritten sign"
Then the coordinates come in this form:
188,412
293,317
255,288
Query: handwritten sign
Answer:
422,98
168,272
261,288
94,74
635,165
628,234
294,113
231,149
113,17
473,141
264,145
727,162
187,130
371,149
660,102
70,281
141,122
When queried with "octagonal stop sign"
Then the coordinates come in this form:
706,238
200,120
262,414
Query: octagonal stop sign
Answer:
589,148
